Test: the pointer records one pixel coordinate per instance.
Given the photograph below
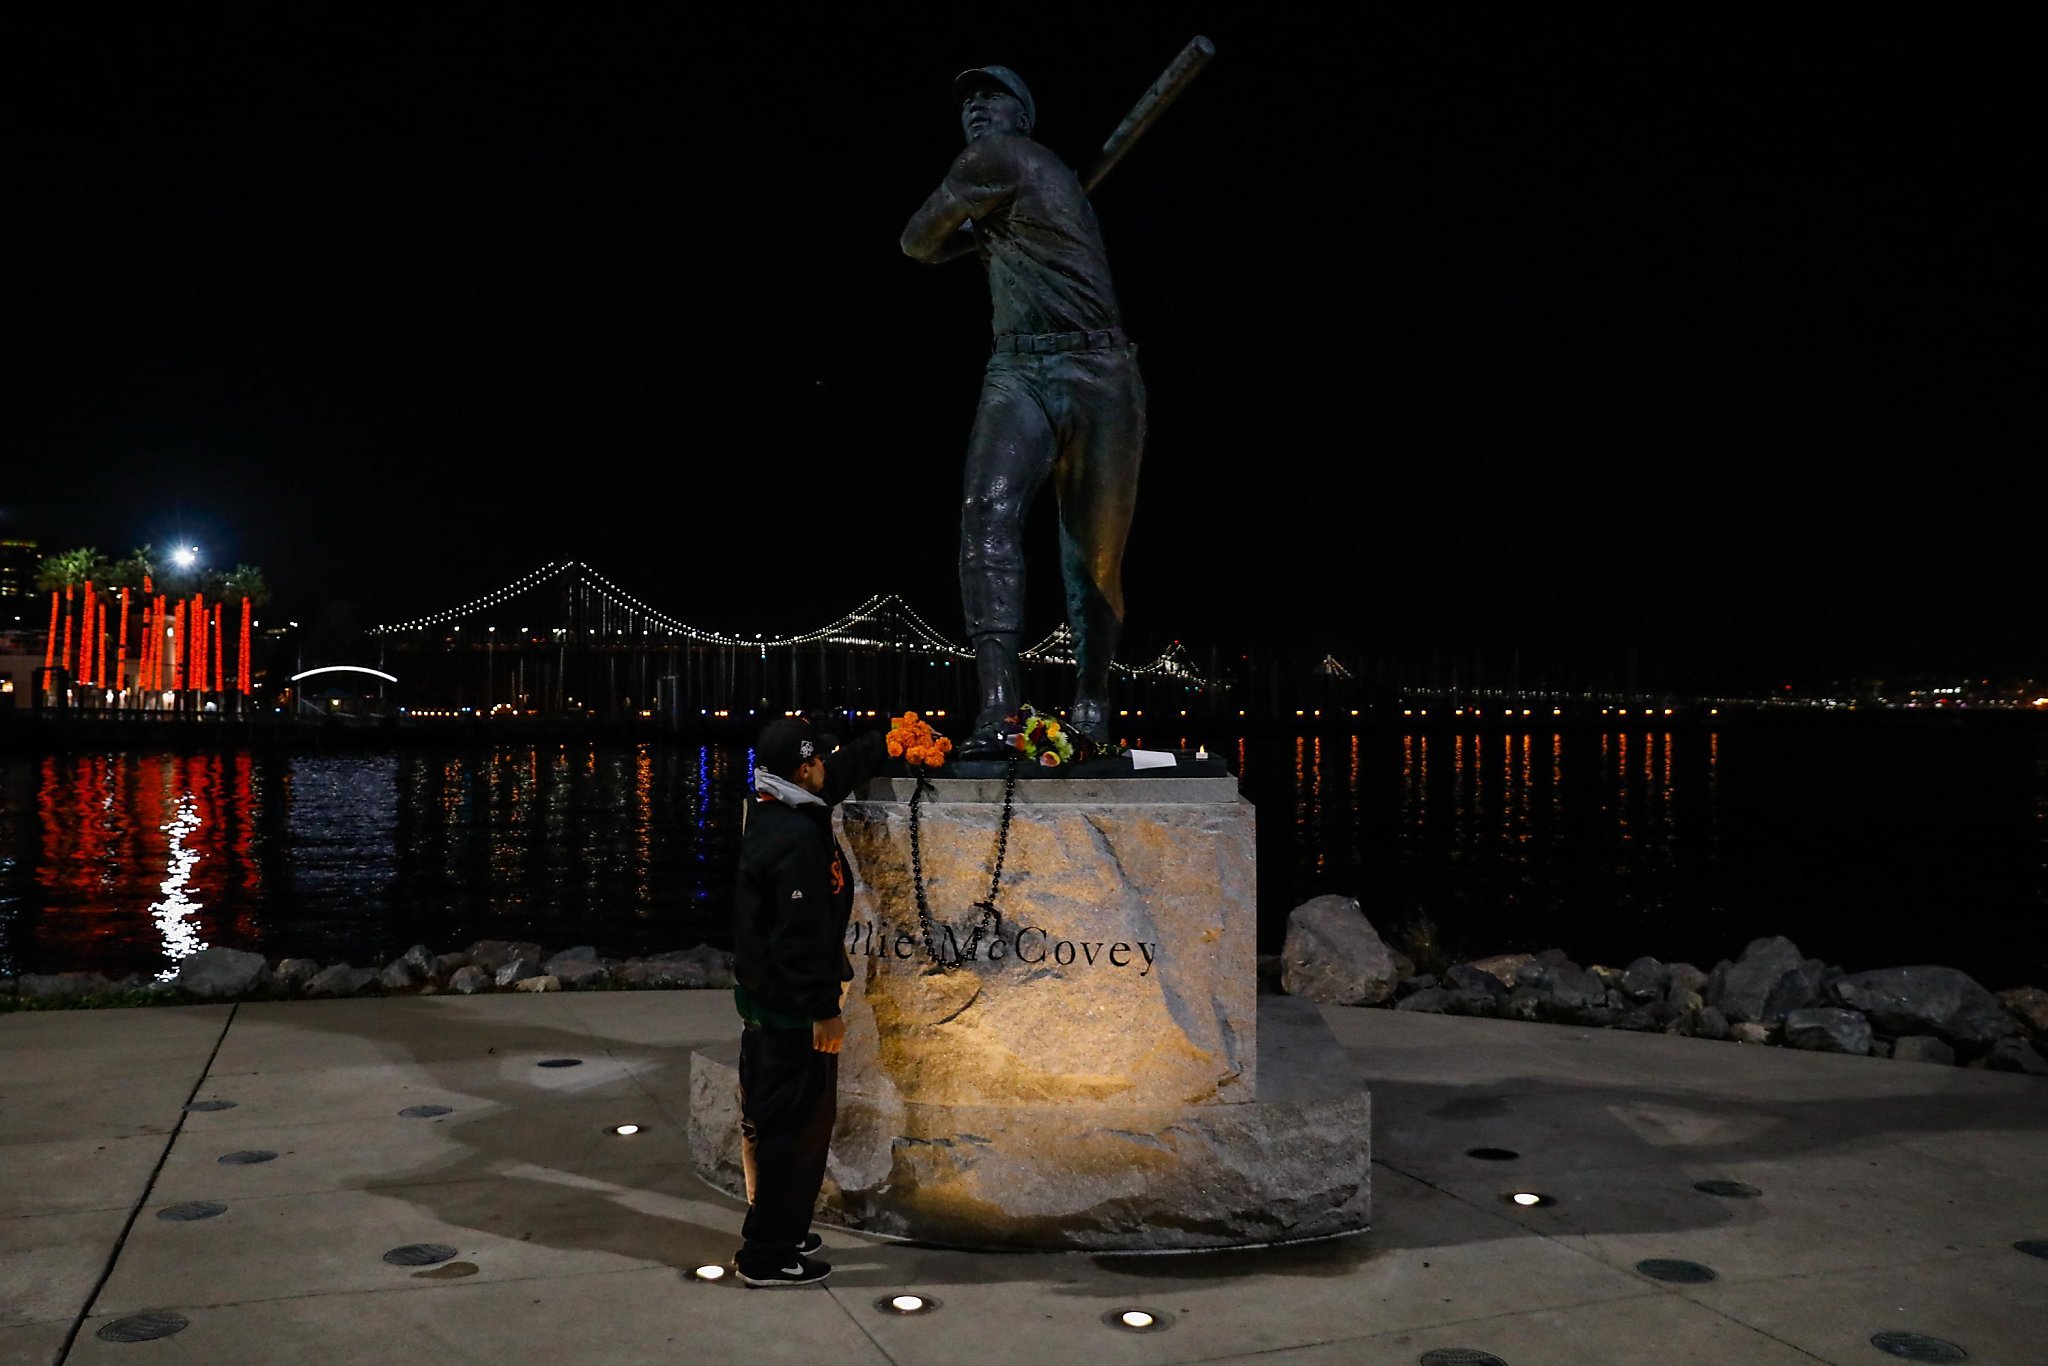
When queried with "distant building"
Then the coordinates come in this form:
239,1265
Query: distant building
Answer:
18,560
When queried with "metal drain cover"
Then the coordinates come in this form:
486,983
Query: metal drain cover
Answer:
1676,1271
248,1157
144,1327
1917,1347
1460,1356
191,1210
561,1062
207,1107
2033,1247
419,1254
425,1111
1493,1154
1727,1190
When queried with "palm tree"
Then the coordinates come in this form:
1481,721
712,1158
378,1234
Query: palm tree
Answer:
245,581
67,569
64,572
135,571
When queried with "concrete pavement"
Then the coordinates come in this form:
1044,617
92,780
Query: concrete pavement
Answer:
1891,1198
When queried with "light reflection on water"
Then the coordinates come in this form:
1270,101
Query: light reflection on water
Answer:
129,862
1681,843
1613,844
175,915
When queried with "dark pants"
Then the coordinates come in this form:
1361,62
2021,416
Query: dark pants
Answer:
789,1097
1078,417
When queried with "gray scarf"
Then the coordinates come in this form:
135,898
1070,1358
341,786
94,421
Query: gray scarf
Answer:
783,790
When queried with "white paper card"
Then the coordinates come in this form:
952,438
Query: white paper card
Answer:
1151,758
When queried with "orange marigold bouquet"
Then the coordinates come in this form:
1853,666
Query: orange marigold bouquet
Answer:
912,739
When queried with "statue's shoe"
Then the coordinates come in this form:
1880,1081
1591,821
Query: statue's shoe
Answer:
988,740
1086,720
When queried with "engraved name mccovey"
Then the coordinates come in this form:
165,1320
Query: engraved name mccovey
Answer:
1028,944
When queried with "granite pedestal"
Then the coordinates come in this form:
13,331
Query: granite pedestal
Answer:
1092,1070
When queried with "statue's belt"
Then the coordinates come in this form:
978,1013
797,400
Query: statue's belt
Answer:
1051,343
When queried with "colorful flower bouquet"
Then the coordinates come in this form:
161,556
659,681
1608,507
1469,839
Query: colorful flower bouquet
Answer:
912,739
1043,740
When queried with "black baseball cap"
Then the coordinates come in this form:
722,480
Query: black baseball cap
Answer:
785,743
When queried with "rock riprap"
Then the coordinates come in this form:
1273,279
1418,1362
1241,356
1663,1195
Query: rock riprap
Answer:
1944,1002
1768,982
225,974
215,974
1090,1071
1334,957
1827,1029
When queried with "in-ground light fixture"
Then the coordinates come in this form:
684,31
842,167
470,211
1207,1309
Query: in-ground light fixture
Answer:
906,1305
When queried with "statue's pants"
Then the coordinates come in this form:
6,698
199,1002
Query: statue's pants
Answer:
1079,417
789,1098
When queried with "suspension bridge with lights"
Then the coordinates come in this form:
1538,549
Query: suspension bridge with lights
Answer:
565,640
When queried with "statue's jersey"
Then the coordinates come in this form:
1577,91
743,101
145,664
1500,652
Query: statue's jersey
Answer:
1036,232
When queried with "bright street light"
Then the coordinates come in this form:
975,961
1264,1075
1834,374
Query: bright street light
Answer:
185,556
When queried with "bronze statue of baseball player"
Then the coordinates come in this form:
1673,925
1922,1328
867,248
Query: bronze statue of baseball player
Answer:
1061,398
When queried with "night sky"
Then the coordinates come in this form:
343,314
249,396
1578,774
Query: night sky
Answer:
1707,344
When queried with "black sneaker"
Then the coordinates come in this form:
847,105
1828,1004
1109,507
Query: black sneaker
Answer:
811,1245
802,1271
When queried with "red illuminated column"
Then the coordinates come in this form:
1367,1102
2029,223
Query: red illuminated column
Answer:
88,634
142,650
179,651
121,651
70,660
100,665
219,679
156,644
242,657
50,647
195,641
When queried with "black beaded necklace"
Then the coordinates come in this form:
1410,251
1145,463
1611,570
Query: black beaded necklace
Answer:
990,921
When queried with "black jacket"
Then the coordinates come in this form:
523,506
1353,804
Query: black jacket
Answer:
795,896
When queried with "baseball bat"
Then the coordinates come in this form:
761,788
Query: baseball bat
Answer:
1149,107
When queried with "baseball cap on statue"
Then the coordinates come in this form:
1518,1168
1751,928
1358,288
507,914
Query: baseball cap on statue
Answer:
1009,80
784,744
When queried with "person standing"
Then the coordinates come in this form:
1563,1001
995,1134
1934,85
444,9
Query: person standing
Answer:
790,911
1061,398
